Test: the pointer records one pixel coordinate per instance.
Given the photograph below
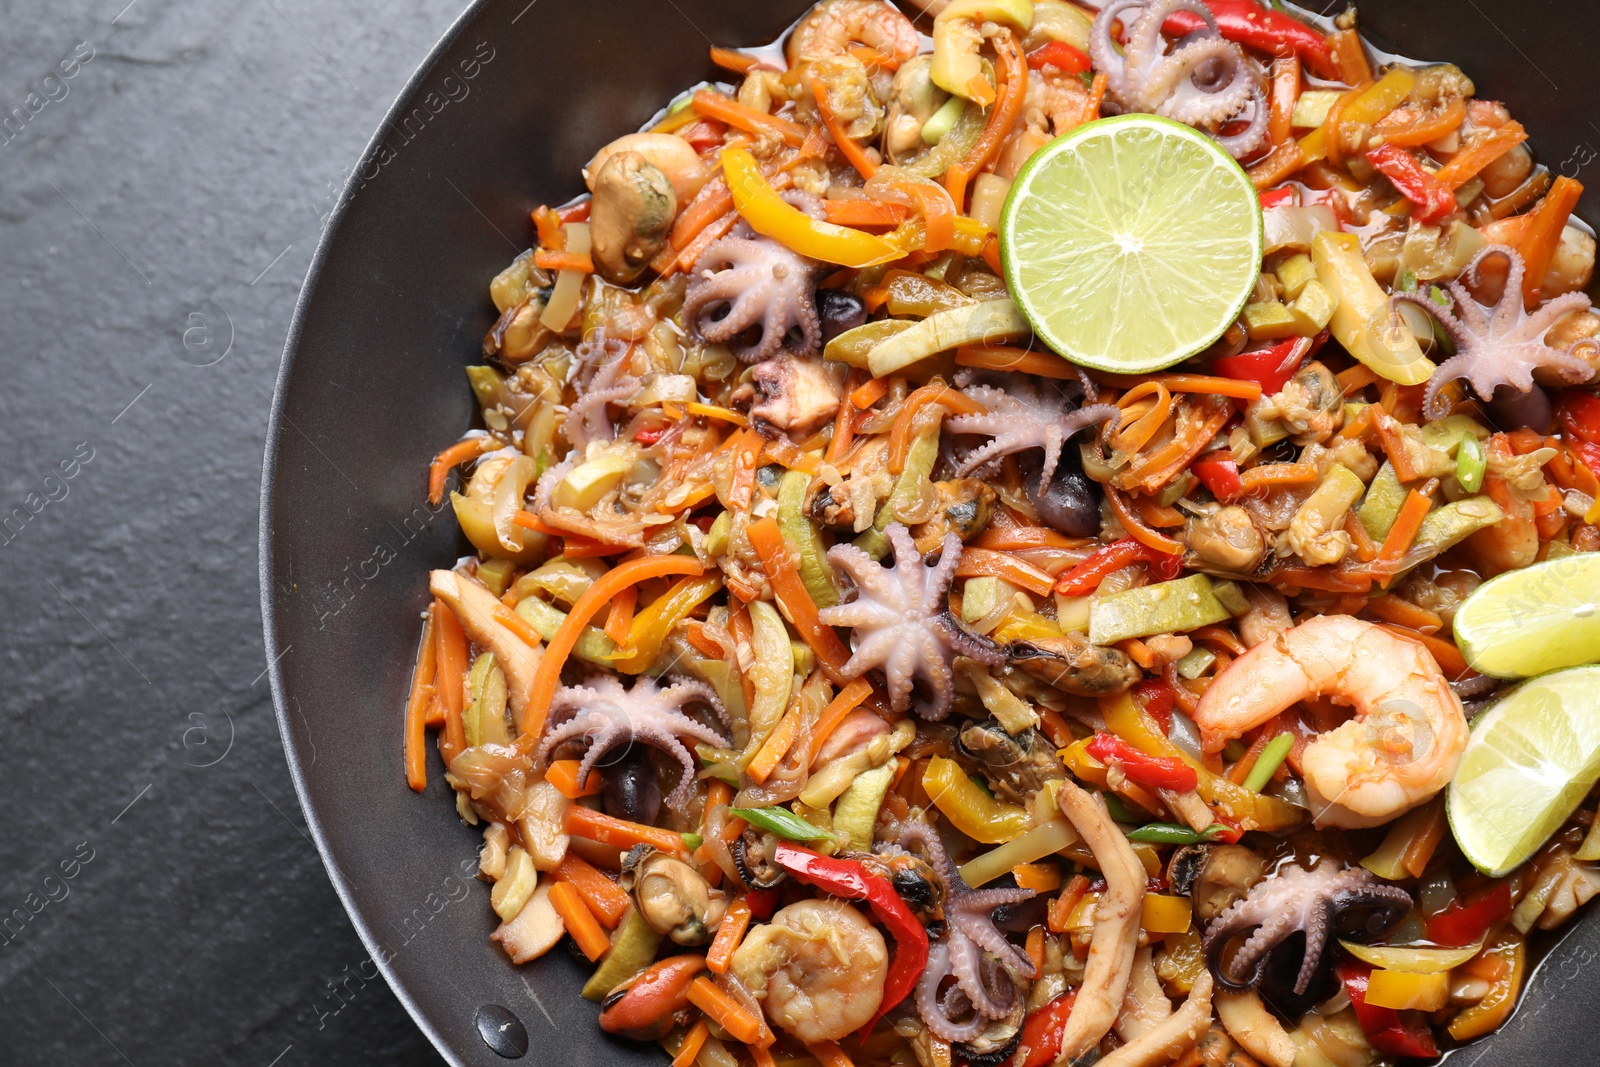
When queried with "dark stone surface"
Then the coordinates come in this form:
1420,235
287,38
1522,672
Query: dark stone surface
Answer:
188,167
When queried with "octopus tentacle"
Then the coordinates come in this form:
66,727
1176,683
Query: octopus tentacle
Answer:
1020,419
745,280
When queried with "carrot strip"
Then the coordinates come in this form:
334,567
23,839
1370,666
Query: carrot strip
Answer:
1544,235
1221,636
713,201
695,1039
1039,877
1012,74
738,62
730,931
1402,612
1161,467
597,826
981,562
580,922
762,1057
1136,527
1474,156
1062,907
790,455
449,459
1402,130
1276,165
1004,357
716,106
563,774
1445,653
793,598
605,898
847,148
1012,538
1247,762
1350,57
548,224
1266,475
864,212
416,721
450,658
829,1054
620,616
1139,652
1406,525
1366,548
726,1012
869,393
991,255
548,677
517,625
1137,433
1186,383
1155,513
550,260
844,432
1285,89
934,393
776,746
1354,379
847,700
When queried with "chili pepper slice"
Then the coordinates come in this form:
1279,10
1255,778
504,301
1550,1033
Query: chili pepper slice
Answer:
1219,473
1042,1030
1085,578
1061,55
1157,699
1274,32
1270,368
1433,198
1465,922
851,881
1156,772
1385,1029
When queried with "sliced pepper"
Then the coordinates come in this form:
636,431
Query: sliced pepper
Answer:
1579,415
759,204
1085,578
970,809
1434,200
1219,473
1385,1029
653,624
1512,957
1263,28
1157,772
1060,55
1463,923
1270,368
1042,1030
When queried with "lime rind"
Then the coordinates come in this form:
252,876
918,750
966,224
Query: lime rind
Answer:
1164,282
1530,761
1536,619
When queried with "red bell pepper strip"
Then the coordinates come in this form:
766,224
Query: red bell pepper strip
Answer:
851,881
1282,196
1060,55
1270,368
1272,32
1154,772
1386,1031
1042,1030
1463,923
1588,454
1157,699
1085,578
1219,473
1433,198
1579,414
762,902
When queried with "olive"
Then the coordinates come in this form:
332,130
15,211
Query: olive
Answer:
839,311
1070,502
632,791
1514,411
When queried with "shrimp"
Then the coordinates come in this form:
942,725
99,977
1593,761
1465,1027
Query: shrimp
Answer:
1514,483
1404,742
818,966
834,25
1054,103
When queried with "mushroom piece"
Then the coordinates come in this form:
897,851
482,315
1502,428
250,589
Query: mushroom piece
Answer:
673,897
1214,876
754,853
632,214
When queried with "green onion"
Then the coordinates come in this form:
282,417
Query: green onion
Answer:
1195,663
943,120
781,821
1119,811
1169,833
692,841
1408,281
1471,463
1270,760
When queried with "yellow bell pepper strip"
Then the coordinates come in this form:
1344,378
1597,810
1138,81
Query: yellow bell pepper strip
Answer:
970,809
1413,960
1365,321
1386,1031
1384,96
1248,810
1408,990
1508,959
652,624
1165,914
1046,839
759,204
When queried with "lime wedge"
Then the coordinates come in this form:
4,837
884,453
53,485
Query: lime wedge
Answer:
1531,758
1131,243
1536,619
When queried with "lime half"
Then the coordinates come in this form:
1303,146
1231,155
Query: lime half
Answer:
1131,243
1536,619
1531,758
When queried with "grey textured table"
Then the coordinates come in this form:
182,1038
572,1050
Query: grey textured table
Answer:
166,169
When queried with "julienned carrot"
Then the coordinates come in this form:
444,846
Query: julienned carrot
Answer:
1136,527
620,616
935,393
625,574
722,1009
1475,155
1400,611
777,744
716,106
1544,234
450,667
1141,427
1445,653
738,62
1004,357
986,562
841,140
829,1054
563,774
735,921
794,599
417,702
551,260
843,430
1165,463
695,1039
1285,89
1266,475
713,201
762,1057
620,833
517,625
605,898
1012,74
1360,540
844,702
869,393
1406,525
448,460
790,455
1187,383
580,922
1012,538
1354,379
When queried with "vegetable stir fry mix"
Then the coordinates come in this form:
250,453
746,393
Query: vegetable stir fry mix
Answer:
851,678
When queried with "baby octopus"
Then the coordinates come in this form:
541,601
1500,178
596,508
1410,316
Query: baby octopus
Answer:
1502,345
984,987
605,716
1295,900
1019,419
902,620
1205,81
745,281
